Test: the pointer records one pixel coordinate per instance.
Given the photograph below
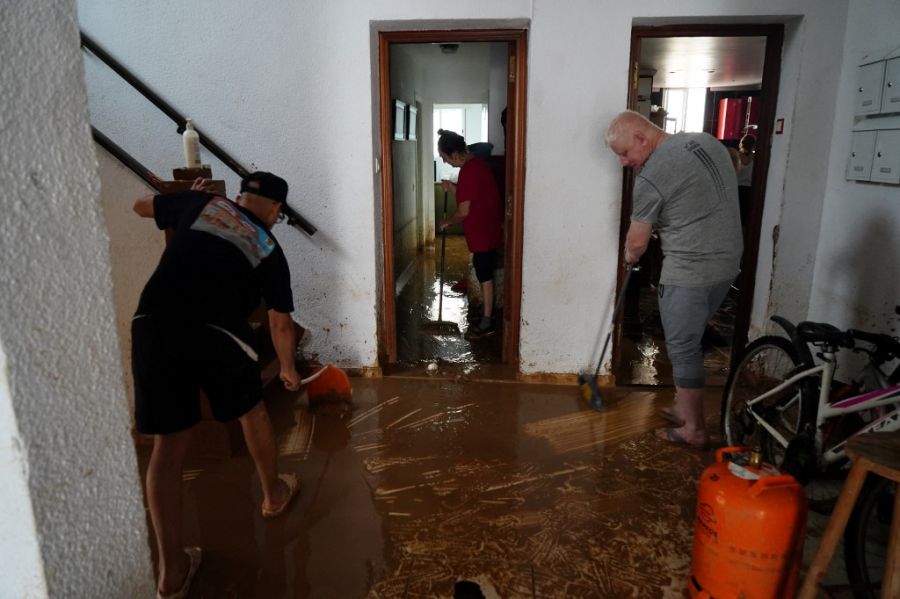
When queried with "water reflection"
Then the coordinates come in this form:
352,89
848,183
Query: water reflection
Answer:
420,303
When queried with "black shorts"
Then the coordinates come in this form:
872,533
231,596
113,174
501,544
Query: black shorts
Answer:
484,263
172,362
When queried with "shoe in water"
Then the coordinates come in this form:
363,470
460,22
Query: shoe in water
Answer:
477,331
461,286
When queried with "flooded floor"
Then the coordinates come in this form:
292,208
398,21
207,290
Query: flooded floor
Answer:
419,306
430,483
642,357
425,482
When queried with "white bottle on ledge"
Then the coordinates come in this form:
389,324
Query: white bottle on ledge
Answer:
191,141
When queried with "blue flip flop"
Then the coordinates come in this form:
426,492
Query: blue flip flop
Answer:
668,414
675,438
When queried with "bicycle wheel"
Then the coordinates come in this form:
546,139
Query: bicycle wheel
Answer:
866,536
766,363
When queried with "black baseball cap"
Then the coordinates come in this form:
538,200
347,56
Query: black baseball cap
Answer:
266,185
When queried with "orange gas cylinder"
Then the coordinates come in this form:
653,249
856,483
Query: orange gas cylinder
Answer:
749,530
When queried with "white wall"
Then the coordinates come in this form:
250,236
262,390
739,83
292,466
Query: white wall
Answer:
64,418
857,277
21,566
135,245
306,108
497,94
300,106
573,183
407,191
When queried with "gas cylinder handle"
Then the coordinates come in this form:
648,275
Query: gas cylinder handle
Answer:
720,453
772,482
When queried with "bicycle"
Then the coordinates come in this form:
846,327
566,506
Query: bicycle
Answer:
779,398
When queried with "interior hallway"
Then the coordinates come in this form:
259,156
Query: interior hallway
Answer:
418,305
424,482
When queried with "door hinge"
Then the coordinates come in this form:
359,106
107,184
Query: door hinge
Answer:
512,69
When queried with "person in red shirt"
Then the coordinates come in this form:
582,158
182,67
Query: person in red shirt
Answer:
480,211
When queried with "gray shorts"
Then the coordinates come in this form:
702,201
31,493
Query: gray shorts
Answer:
685,312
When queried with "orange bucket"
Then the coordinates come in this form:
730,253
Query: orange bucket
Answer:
328,383
749,530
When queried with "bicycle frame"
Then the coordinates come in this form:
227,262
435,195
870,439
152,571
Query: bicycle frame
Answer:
826,410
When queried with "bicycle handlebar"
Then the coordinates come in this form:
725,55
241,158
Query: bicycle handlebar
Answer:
886,347
818,333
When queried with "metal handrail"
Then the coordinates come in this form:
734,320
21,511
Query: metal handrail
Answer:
293,217
125,158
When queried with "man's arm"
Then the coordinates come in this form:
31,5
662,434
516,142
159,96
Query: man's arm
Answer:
636,241
144,206
284,339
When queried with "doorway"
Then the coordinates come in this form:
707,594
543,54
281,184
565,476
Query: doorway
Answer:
694,77
412,203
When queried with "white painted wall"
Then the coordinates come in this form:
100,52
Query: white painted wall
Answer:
857,277
406,188
135,246
497,97
306,107
21,567
459,78
64,417
573,183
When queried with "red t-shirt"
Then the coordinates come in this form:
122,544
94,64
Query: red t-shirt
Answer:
483,224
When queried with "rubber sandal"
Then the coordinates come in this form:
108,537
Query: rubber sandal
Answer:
194,554
669,416
293,486
672,436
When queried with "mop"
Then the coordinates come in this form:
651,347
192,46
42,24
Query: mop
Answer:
588,385
439,326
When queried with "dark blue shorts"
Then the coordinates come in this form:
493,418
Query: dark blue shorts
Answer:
172,362
484,263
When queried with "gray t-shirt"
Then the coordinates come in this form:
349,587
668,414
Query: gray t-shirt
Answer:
687,190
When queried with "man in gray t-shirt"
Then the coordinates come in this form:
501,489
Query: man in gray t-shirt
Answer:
685,189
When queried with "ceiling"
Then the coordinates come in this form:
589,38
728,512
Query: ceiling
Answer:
717,62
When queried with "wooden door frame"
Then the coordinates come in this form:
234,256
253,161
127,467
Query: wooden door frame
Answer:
515,182
774,34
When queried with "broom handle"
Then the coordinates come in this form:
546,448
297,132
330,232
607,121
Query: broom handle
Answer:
628,270
443,249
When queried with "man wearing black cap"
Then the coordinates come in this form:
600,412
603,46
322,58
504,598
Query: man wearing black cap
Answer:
190,332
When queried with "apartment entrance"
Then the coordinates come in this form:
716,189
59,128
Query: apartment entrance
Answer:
428,81
688,78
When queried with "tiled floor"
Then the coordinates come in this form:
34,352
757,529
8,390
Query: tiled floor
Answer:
421,483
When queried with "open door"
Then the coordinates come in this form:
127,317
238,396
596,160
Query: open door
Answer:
515,178
626,367
514,187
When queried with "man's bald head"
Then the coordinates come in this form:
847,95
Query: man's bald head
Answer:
633,138
626,123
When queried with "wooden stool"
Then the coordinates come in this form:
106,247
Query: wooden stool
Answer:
871,452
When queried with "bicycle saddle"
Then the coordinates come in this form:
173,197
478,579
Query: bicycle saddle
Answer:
820,332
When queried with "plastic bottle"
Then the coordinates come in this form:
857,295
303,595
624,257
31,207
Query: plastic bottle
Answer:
191,146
